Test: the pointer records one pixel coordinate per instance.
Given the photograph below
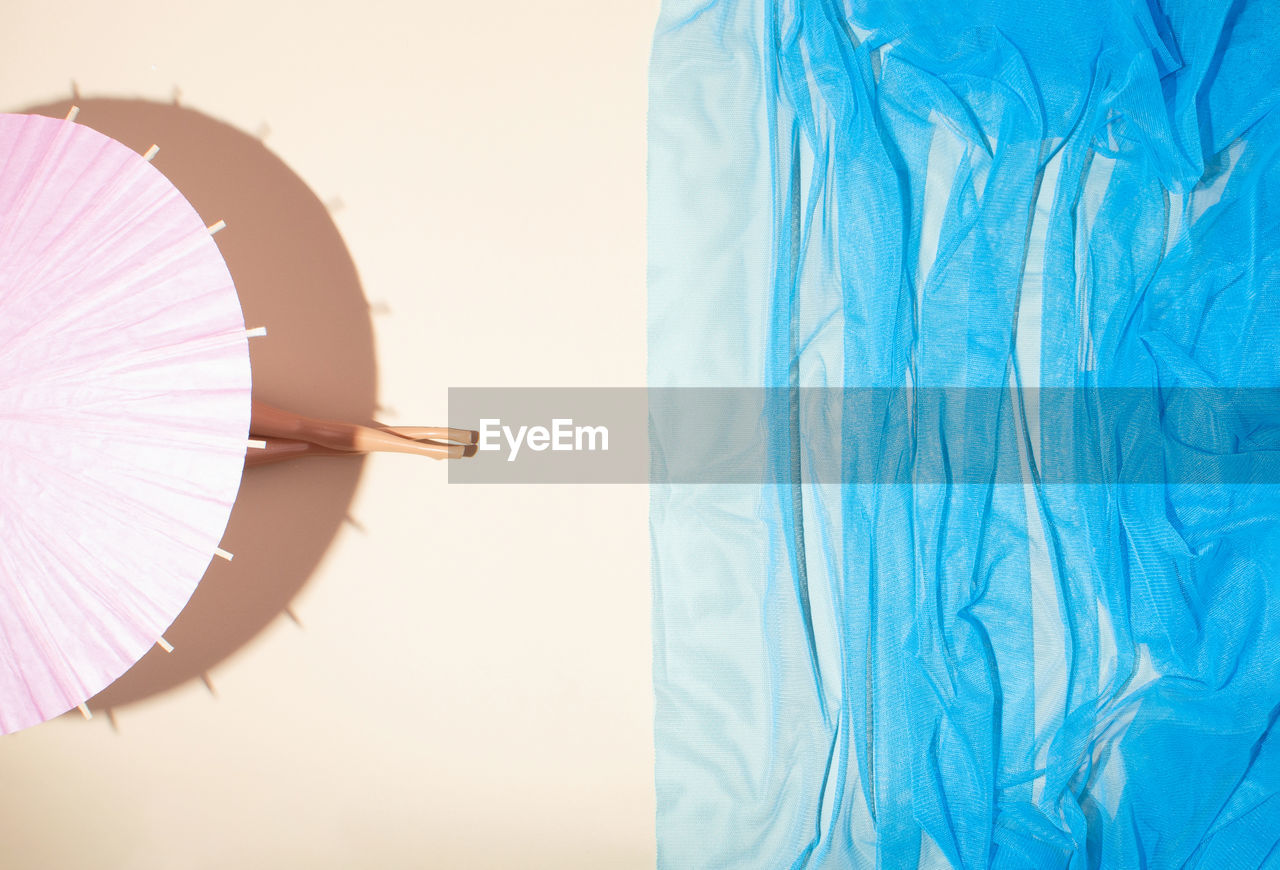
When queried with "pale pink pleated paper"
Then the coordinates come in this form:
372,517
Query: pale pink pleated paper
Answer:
124,411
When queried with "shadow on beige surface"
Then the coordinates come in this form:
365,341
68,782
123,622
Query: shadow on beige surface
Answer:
294,276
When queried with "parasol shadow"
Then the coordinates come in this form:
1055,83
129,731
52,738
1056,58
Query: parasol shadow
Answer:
294,276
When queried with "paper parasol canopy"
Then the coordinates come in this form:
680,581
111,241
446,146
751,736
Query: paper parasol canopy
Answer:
124,411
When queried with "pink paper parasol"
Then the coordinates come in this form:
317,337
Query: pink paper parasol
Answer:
124,411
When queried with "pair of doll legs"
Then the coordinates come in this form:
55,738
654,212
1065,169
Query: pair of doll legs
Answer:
290,436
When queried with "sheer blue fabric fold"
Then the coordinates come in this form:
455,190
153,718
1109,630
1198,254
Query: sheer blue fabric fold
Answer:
971,197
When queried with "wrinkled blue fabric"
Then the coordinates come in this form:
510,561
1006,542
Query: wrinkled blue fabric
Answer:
981,195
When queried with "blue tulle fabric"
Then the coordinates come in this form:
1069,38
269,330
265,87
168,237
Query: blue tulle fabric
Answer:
979,195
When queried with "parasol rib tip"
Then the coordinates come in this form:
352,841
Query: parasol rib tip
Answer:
213,228
151,153
255,332
257,444
84,711
71,114
164,645
218,551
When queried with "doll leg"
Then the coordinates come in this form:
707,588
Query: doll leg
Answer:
281,449
269,422
434,433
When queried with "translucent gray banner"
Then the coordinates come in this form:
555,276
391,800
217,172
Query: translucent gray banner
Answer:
869,436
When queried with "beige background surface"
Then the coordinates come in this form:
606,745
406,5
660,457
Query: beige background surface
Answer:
467,680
